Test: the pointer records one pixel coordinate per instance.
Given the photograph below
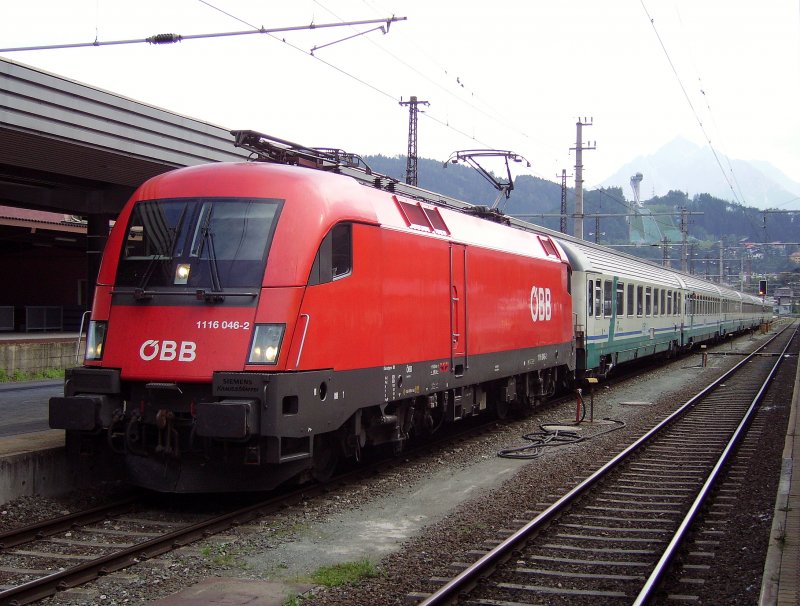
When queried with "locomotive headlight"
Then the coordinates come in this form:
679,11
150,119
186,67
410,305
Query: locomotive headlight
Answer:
266,345
182,273
95,339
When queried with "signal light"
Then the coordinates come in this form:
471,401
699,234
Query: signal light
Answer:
762,288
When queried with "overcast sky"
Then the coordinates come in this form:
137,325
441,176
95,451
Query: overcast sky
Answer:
506,74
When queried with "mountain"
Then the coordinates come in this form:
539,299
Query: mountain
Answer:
684,166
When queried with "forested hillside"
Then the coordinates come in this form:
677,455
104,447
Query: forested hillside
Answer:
537,198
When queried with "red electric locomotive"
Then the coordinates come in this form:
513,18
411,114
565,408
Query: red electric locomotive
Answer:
254,322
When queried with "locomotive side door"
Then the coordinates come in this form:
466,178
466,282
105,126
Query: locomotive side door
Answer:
458,308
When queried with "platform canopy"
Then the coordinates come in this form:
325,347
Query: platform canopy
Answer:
74,149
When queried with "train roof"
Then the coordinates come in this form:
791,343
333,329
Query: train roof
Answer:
582,255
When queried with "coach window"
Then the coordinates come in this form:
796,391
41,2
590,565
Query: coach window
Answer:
655,302
669,302
639,300
598,298
334,258
620,299
607,294
589,297
631,301
648,301
663,301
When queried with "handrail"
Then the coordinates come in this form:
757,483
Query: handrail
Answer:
80,335
302,340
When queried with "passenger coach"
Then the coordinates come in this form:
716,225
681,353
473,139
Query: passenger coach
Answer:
627,308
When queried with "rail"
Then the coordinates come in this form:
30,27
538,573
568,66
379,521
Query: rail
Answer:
470,576
651,584
50,584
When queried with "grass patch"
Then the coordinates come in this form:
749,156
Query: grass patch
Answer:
219,555
38,375
344,574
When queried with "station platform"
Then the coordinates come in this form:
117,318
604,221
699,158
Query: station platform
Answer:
780,585
33,464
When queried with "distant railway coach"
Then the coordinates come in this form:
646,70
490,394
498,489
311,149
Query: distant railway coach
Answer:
627,308
253,323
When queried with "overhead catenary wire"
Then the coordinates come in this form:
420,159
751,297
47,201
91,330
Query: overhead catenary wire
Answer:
689,100
489,112
380,91
705,94
173,38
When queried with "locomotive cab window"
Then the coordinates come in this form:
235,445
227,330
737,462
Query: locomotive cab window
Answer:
334,258
213,243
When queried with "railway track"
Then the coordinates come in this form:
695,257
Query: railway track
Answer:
51,556
612,538
41,559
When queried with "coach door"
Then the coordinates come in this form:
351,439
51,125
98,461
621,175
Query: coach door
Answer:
458,308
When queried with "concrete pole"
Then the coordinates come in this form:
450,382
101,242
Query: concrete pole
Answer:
579,147
578,228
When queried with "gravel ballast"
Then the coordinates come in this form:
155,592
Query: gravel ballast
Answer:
415,520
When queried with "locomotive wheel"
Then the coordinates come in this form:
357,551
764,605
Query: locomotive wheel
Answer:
326,457
501,409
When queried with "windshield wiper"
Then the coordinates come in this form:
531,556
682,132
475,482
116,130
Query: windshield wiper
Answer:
216,287
141,293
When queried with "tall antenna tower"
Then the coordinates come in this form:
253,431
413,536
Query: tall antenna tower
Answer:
636,181
411,159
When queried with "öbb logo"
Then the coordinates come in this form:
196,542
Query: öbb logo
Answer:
167,351
541,304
